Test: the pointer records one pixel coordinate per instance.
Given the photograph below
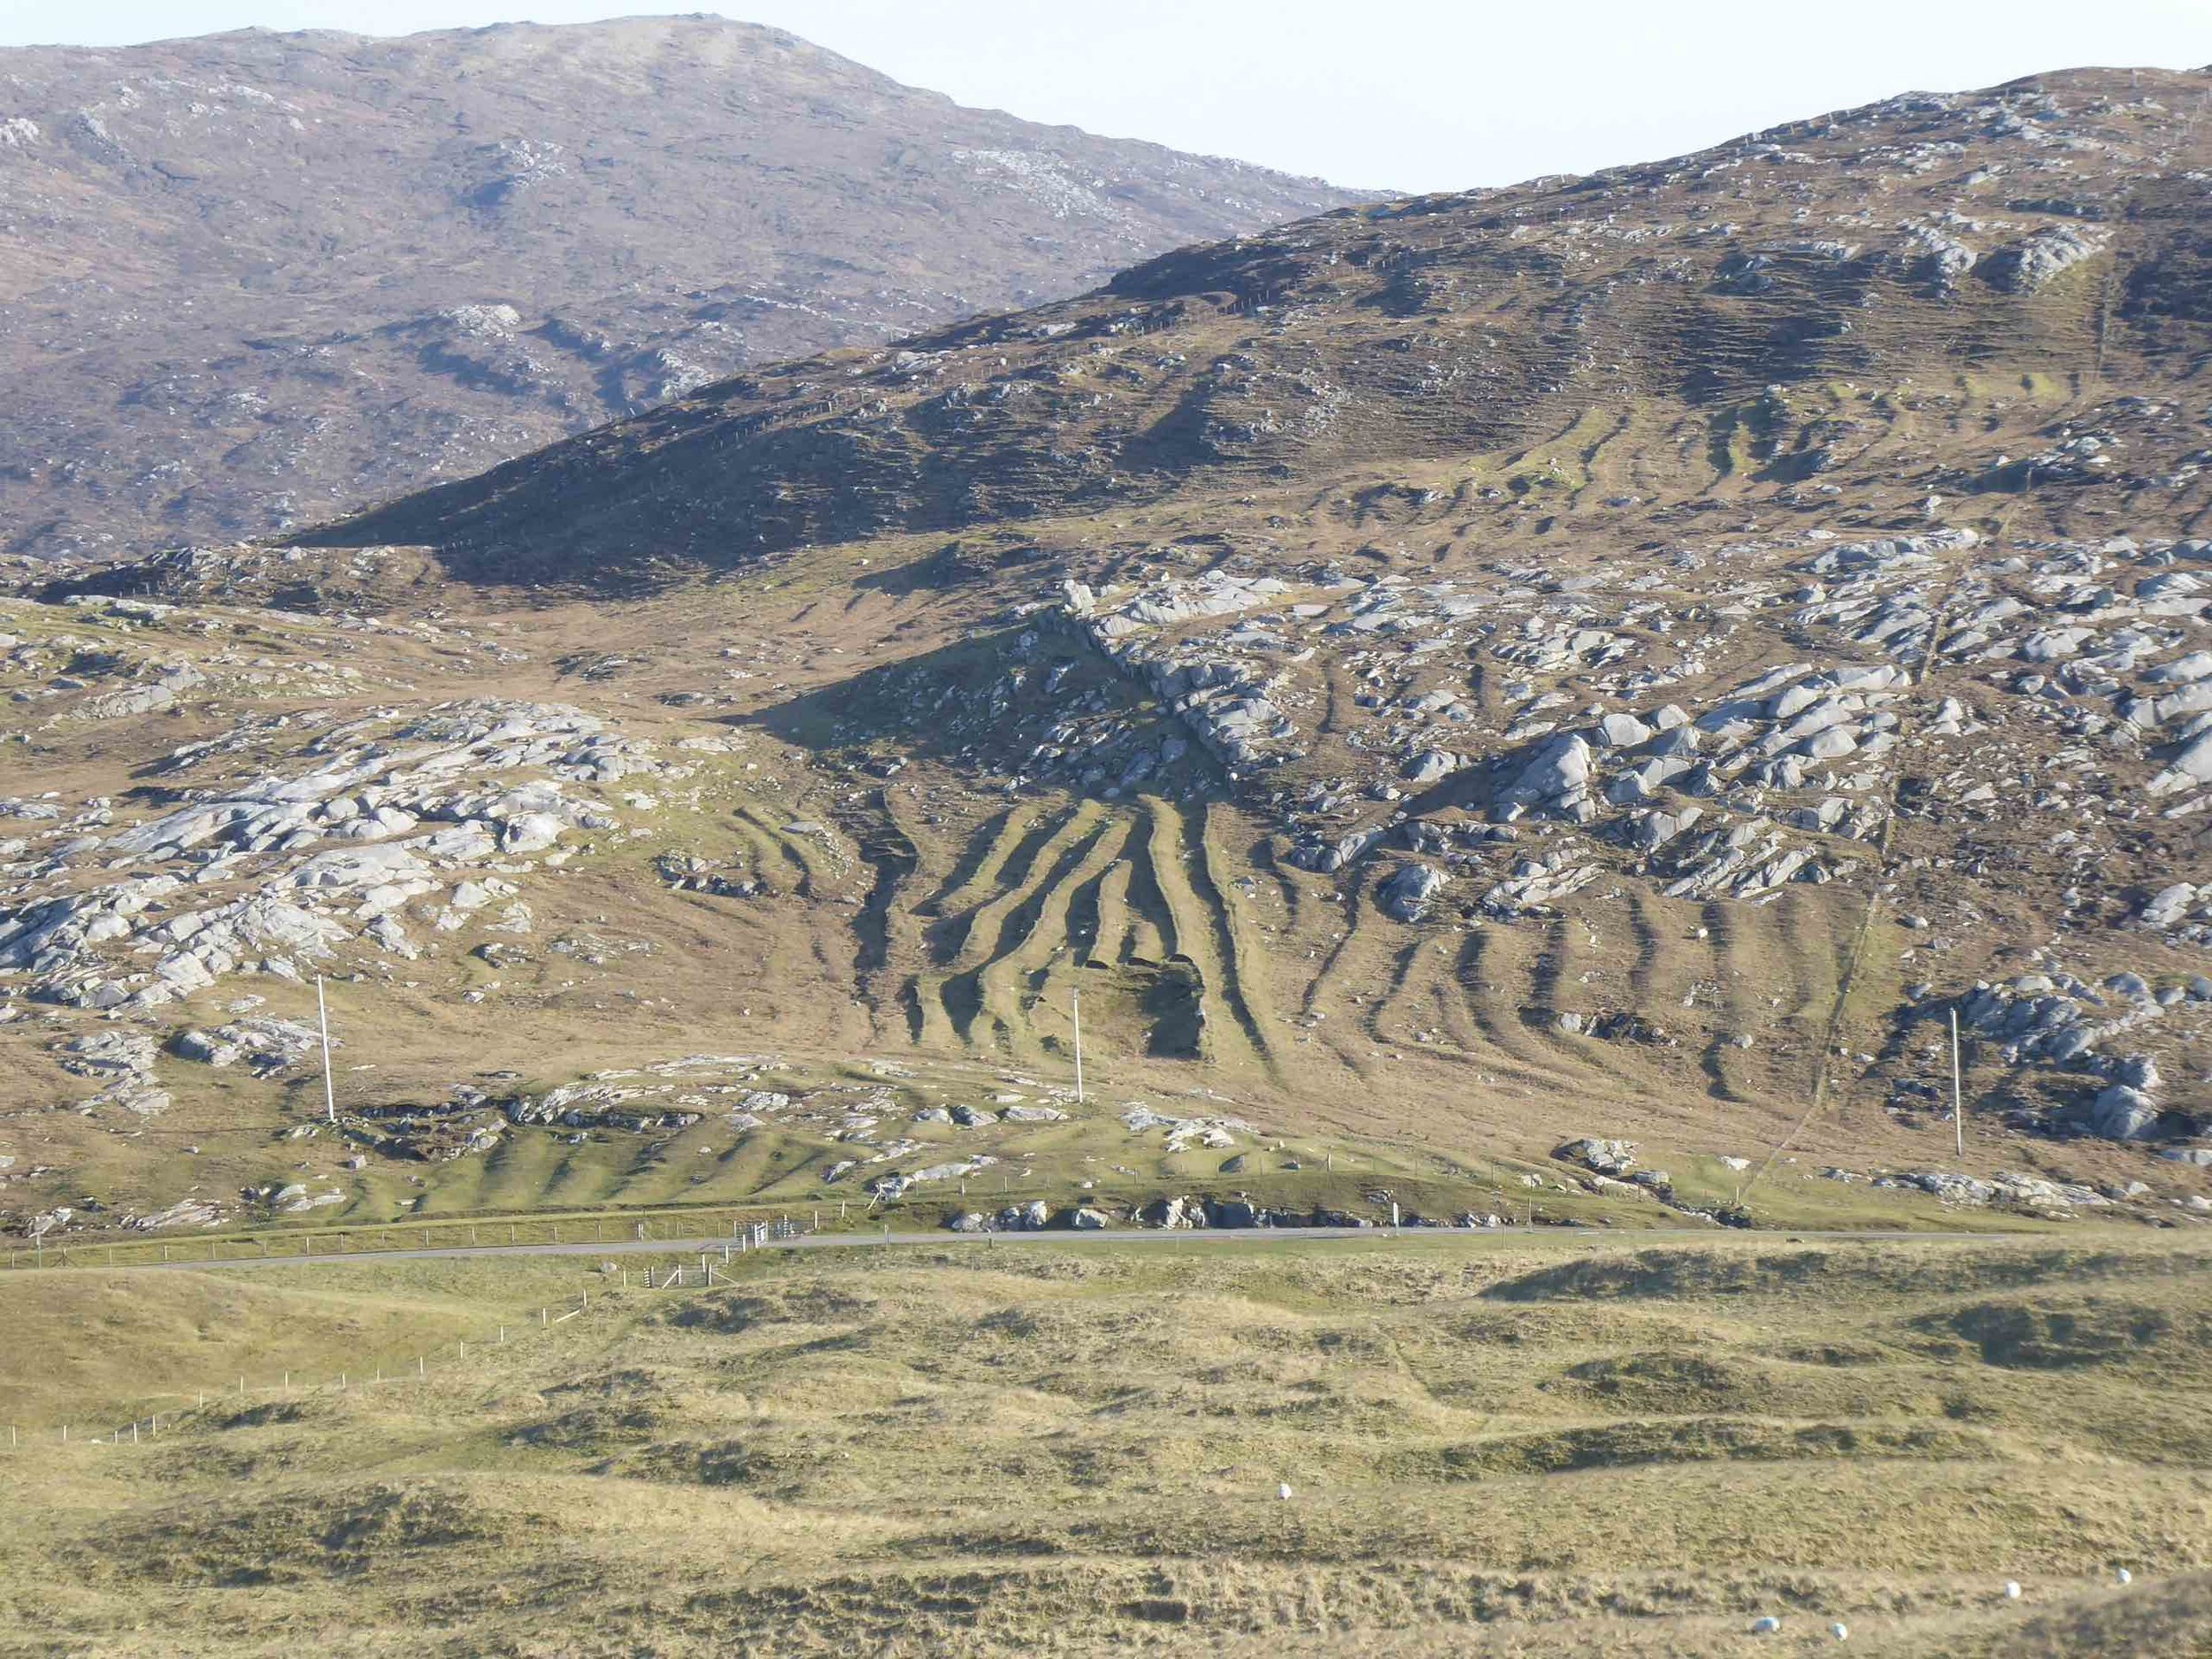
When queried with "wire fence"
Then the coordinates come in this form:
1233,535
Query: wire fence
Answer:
288,1243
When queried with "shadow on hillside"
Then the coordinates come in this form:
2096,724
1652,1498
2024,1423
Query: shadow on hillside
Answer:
989,705
958,701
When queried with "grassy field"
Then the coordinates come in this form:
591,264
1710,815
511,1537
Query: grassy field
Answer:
1502,1444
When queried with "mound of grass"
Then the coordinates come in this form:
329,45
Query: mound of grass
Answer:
1687,1274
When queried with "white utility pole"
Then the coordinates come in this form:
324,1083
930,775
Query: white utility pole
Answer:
1958,1107
1075,1002
322,1018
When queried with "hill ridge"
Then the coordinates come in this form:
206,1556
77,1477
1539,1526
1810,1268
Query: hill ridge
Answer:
411,256
1338,340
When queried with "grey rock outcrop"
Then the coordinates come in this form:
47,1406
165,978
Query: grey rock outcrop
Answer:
1408,892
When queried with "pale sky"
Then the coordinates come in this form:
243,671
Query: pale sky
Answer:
1409,95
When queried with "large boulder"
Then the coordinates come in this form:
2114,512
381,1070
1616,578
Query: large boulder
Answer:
532,832
2188,769
1173,1213
2120,1112
125,702
1327,857
1830,743
1621,731
1408,892
1557,778
109,1056
1431,766
2181,671
1599,1157
2166,905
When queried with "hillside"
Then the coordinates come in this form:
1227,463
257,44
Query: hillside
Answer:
1507,1447
253,280
1824,323
1453,686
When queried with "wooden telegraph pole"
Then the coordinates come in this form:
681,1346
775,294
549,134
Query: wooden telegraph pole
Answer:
322,1018
1958,1107
1075,1003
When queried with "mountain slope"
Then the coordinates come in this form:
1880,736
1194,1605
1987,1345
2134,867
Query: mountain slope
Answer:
1448,684
2052,230
406,259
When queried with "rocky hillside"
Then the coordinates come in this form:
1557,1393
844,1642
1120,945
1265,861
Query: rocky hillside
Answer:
253,280
1829,321
1570,689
